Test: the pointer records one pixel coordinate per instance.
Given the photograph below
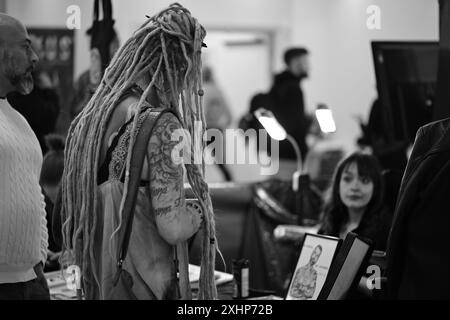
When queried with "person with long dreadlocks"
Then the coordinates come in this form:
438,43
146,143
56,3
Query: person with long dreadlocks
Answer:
159,66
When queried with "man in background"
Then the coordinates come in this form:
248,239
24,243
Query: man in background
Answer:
286,98
23,226
217,114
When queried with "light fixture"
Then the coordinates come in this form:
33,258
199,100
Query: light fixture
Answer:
277,132
325,118
270,124
305,206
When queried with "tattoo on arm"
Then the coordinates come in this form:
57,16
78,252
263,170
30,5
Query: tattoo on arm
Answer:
166,177
162,211
157,192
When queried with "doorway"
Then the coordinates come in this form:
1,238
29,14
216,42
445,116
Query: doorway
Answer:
241,62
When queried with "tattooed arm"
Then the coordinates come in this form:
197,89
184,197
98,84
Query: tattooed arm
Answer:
176,222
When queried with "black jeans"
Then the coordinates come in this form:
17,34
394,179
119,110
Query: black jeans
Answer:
36,289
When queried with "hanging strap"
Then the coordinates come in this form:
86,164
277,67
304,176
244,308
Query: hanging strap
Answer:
107,10
96,10
137,161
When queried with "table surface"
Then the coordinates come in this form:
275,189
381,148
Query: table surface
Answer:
59,289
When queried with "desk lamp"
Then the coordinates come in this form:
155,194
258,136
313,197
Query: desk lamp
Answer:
277,132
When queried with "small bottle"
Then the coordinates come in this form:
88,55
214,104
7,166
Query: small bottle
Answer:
241,279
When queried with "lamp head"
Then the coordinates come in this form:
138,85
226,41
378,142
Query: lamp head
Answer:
270,124
325,118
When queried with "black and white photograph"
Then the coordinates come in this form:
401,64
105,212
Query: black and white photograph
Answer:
214,153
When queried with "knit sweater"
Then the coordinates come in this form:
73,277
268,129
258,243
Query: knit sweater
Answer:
23,229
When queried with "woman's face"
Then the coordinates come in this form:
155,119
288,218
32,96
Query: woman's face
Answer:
355,191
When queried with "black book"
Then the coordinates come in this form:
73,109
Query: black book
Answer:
347,267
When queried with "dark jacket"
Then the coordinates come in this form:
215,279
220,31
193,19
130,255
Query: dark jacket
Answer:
375,228
288,107
418,247
40,108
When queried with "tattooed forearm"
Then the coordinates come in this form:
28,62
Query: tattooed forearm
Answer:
163,210
157,192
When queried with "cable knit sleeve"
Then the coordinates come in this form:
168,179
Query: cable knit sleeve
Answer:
44,231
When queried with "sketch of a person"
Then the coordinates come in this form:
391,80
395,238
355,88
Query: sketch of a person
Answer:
304,283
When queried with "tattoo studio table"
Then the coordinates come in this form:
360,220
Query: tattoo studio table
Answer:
59,290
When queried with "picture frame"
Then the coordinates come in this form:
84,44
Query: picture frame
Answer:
317,254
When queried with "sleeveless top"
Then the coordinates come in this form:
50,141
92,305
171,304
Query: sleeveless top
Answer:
150,258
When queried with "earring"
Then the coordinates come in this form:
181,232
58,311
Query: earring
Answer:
201,93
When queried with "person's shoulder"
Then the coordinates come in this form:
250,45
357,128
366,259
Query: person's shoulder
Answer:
125,107
124,111
169,121
435,129
432,138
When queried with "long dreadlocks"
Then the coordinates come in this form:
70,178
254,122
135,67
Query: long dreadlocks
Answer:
167,46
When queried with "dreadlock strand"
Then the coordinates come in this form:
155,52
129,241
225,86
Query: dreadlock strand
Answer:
138,56
168,70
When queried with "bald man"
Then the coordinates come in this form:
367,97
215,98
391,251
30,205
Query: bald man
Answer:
23,230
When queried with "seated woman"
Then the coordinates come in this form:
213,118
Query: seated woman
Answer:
355,201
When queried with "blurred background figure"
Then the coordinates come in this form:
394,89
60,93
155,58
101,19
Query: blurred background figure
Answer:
104,43
286,98
88,81
217,111
392,156
52,170
40,108
217,114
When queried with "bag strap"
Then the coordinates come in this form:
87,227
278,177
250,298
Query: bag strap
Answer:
137,161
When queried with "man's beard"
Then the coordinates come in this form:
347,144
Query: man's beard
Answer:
303,75
21,80
23,83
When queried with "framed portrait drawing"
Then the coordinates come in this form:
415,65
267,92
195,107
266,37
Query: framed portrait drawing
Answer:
316,256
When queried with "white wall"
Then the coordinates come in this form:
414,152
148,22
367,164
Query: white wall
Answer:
334,30
129,14
342,69
273,15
